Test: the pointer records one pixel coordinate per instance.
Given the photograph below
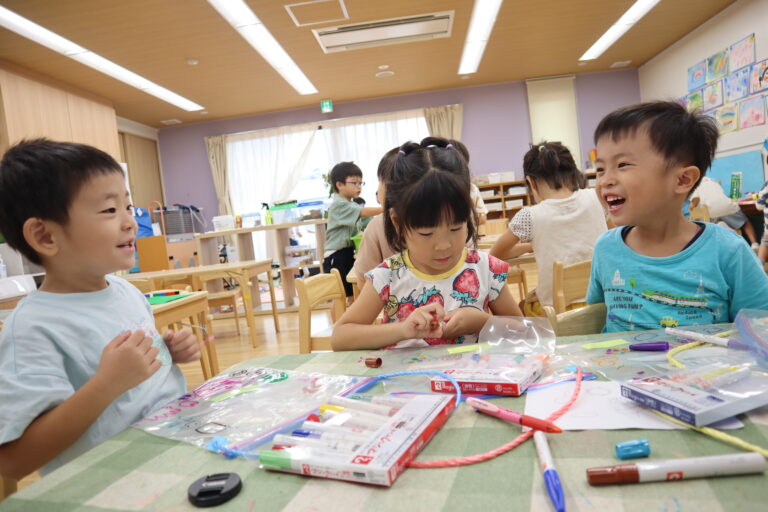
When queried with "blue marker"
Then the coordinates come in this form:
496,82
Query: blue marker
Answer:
551,479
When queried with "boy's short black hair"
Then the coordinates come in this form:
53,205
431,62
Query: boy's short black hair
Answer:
682,137
342,171
428,183
39,179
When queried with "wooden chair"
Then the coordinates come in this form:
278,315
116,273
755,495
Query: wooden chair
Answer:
144,285
569,283
215,299
516,275
313,291
700,212
7,487
587,320
496,226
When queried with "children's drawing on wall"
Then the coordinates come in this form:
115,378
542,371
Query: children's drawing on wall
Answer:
752,112
694,101
758,78
713,95
742,53
736,85
727,118
717,65
697,75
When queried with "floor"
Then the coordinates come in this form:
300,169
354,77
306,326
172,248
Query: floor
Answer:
232,349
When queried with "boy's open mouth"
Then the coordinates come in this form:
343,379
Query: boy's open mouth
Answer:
614,202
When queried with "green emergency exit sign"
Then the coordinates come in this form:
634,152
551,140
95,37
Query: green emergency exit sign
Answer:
326,106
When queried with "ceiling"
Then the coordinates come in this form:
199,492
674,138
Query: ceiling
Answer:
531,38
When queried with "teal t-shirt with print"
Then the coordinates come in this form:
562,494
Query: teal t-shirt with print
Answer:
708,282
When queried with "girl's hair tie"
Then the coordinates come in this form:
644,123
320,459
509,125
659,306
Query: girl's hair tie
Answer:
449,146
401,152
541,148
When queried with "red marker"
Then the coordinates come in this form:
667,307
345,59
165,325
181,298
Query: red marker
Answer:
514,417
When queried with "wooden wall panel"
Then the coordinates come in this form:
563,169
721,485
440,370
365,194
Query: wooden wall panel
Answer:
143,169
93,123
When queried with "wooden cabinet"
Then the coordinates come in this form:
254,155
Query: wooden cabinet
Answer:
505,199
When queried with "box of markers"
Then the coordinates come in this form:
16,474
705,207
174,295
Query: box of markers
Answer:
358,444
696,401
497,381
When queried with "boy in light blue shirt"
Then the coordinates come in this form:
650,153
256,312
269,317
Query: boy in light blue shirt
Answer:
343,215
657,268
80,359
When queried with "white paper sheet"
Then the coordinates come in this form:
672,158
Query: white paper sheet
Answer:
600,406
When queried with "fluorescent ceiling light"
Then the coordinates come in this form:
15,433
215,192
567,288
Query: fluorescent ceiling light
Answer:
480,25
55,42
242,18
629,18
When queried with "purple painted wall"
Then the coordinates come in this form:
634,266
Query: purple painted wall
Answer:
496,128
597,94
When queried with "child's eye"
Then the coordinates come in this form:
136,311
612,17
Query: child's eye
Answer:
110,210
599,170
456,228
425,234
622,164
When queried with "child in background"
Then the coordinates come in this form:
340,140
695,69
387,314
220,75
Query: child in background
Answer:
347,180
762,205
658,269
364,221
436,290
722,209
80,359
563,225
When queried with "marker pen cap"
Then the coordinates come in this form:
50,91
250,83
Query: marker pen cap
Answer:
275,459
622,474
651,346
633,449
373,362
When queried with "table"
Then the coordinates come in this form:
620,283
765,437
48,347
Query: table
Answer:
207,247
241,270
137,471
192,307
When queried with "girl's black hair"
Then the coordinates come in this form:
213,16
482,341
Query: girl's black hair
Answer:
552,163
428,183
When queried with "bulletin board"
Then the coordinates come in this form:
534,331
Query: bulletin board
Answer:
749,164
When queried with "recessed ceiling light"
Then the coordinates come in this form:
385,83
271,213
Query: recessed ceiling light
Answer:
621,63
480,25
193,62
242,18
384,66
627,20
465,77
384,74
581,63
55,42
204,112
170,121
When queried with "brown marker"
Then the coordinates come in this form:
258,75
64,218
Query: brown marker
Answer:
373,362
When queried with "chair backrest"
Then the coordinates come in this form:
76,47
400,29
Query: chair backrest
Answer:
700,212
569,283
587,320
7,487
143,284
313,291
496,226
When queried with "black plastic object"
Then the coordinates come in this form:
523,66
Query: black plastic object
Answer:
213,490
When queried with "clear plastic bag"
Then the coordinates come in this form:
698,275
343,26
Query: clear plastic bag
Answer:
753,329
245,407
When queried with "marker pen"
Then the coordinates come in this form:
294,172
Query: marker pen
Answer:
389,400
709,378
709,338
677,469
350,419
316,434
336,445
515,417
380,418
329,427
359,405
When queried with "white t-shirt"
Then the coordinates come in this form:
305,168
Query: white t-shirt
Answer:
560,230
711,194
477,200
51,345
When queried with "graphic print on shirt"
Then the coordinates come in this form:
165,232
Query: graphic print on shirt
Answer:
624,294
466,287
164,355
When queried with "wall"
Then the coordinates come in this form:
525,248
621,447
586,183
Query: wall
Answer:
496,128
665,76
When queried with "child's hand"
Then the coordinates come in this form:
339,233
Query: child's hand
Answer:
424,322
463,321
128,360
183,345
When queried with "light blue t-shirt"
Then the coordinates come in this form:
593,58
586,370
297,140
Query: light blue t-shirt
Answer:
51,345
708,282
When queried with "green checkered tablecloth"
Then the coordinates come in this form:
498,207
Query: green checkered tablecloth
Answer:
138,471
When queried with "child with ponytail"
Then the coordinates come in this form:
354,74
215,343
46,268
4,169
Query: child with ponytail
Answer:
563,225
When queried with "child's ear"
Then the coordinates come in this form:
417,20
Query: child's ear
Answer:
40,236
687,177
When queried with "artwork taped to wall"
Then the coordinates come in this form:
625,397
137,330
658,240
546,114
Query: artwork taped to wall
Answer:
727,117
758,78
742,53
694,101
712,95
752,112
717,65
736,85
697,75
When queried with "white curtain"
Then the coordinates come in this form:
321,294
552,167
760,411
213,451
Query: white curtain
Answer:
217,158
365,139
445,121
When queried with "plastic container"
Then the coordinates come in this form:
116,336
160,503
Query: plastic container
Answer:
311,209
251,220
223,222
284,213
356,240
